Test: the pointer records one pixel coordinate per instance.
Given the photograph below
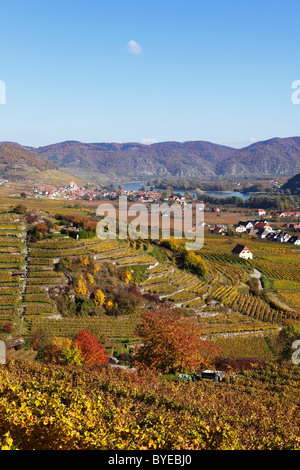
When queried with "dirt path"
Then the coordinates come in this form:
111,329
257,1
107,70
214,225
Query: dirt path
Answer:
257,275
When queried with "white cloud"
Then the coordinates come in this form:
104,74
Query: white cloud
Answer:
148,141
134,47
242,143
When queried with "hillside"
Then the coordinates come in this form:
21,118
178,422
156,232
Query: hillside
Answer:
271,157
19,163
98,161
49,293
293,184
112,410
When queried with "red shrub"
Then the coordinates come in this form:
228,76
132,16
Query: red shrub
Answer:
92,352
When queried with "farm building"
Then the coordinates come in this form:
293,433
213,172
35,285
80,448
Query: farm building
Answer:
242,251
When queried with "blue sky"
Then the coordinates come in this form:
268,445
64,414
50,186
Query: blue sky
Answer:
215,70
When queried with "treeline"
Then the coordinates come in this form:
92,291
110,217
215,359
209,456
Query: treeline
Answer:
85,225
179,184
279,202
187,259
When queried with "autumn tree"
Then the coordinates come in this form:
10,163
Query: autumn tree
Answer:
93,352
84,261
90,279
42,227
195,263
39,338
19,209
172,343
81,287
61,351
99,297
127,277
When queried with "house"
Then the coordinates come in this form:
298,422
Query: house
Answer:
263,233
272,236
218,230
242,251
247,224
252,231
288,214
283,237
260,212
263,226
294,240
240,228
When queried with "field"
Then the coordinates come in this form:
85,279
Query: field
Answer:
56,408
48,406
222,302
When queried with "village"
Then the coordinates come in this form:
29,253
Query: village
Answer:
73,192
258,227
262,230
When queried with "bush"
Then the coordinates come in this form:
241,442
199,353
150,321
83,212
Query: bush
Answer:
126,359
7,327
19,209
84,306
238,365
128,302
61,351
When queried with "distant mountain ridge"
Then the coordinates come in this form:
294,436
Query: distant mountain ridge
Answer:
273,157
135,161
19,163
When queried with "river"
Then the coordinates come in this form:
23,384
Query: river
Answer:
135,186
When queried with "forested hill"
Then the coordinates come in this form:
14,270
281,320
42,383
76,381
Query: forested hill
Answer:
134,161
12,154
274,157
293,184
19,163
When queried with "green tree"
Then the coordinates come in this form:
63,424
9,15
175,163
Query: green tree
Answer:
286,337
195,263
20,209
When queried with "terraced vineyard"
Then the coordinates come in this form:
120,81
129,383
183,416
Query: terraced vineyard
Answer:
108,329
118,252
226,283
40,310
249,304
27,273
41,274
283,270
289,291
12,267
